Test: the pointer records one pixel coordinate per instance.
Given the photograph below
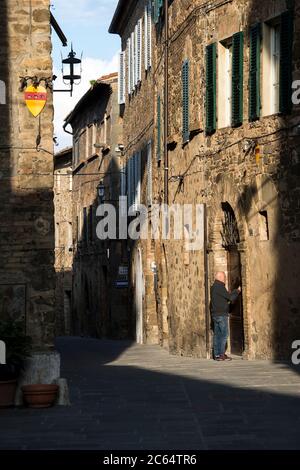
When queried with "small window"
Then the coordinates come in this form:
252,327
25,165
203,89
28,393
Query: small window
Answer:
264,226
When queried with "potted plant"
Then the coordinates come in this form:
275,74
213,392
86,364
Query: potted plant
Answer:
18,348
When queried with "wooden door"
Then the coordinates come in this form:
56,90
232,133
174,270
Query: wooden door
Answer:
236,311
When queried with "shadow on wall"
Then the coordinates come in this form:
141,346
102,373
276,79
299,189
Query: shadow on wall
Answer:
278,197
27,280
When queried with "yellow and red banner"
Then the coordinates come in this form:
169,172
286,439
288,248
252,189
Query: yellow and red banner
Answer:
35,99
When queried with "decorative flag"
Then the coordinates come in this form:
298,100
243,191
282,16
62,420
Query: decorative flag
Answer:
35,99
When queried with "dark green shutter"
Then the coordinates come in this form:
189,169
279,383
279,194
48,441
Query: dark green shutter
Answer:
158,149
185,102
211,86
286,62
254,73
237,78
157,9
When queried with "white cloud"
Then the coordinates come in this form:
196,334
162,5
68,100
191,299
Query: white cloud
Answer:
82,10
63,103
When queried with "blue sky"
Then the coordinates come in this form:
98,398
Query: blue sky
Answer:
85,23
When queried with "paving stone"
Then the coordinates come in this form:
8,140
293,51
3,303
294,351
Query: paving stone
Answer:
121,399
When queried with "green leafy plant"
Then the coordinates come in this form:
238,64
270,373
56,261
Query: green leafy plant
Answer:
18,348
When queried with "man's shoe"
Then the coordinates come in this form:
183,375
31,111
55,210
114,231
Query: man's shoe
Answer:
226,358
219,358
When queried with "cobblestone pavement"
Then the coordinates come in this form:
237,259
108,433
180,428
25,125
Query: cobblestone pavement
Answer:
126,396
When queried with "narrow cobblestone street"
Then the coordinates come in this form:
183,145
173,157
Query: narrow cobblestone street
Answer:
125,396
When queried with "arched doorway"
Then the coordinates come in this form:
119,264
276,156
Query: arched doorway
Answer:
139,293
230,242
226,256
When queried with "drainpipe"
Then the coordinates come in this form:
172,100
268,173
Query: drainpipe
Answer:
166,106
206,282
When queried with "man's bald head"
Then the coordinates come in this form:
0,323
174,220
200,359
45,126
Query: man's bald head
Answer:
221,276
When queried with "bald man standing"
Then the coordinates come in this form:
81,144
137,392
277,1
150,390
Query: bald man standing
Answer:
220,302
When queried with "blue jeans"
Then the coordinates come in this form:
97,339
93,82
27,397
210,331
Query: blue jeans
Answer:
221,332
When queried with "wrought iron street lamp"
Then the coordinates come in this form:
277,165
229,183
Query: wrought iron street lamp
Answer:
71,71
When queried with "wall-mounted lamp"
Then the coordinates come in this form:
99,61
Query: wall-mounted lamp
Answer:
71,71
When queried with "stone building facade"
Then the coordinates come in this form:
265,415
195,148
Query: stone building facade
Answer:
100,298
63,211
27,277
233,149
133,22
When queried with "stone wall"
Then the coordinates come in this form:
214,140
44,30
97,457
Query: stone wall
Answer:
219,169
63,183
99,307
26,205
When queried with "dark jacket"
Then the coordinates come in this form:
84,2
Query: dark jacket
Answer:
221,298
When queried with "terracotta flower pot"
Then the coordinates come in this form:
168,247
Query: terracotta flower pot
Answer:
40,395
7,393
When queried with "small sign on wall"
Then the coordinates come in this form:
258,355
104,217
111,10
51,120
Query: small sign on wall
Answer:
35,99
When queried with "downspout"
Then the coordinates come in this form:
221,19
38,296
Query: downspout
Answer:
206,283
166,106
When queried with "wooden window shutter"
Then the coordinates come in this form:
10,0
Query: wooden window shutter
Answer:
211,87
149,173
158,150
185,102
286,62
254,73
139,50
157,7
148,44
129,66
121,79
237,78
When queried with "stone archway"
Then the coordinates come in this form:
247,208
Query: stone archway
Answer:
227,252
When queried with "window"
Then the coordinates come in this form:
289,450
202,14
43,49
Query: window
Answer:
277,65
90,141
149,173
185,102
264,226
76,152
82,146
148,35
121,80
211,83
